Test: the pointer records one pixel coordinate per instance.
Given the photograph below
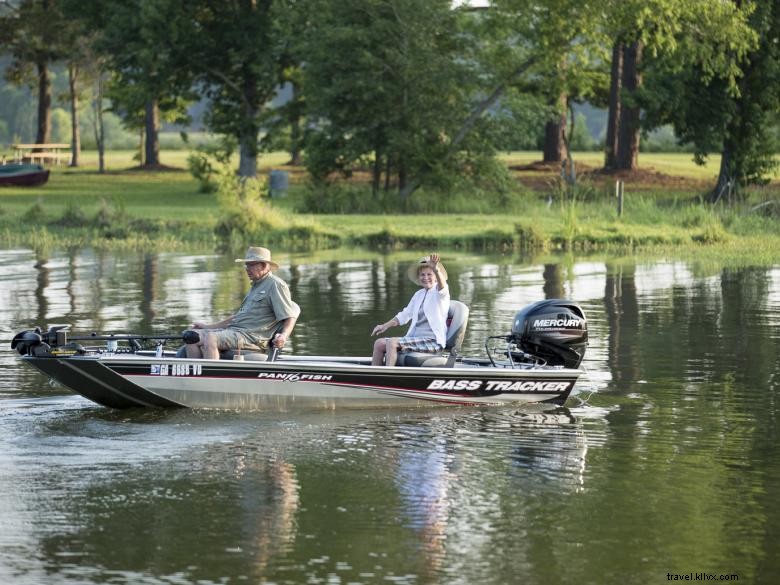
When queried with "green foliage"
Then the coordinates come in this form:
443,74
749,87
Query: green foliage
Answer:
35,214
208,162
722,93
73,216
112,219
343,198
530,237
242,208
232,49
564,191
396,108
712,232
580,139
60,126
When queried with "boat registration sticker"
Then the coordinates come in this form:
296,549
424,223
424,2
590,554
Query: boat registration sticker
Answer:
176,369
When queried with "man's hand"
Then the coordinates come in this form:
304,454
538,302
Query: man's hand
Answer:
279,340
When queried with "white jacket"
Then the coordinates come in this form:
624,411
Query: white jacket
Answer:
437,304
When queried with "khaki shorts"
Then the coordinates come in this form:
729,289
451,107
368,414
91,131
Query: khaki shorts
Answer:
234,339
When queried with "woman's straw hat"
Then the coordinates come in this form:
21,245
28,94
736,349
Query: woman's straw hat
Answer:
414,269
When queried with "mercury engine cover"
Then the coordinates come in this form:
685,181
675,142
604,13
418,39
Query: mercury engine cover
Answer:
555,330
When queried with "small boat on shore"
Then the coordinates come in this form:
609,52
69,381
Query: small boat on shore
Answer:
537,362
23,175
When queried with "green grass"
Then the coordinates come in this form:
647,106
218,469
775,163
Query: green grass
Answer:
131,208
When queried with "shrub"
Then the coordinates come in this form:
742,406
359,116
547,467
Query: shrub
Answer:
73,216
713,232
208,162
35,214
530,237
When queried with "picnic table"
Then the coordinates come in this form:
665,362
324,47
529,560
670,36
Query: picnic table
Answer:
56,153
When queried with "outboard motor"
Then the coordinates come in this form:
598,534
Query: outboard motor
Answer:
555,330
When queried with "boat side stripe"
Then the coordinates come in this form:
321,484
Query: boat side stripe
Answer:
151,399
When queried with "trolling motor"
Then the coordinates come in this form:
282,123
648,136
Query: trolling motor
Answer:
552,332
34,342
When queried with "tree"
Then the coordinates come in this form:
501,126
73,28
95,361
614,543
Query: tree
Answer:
733,115
684,31
149,83
399,107
79,56
564,40
30,32
232,49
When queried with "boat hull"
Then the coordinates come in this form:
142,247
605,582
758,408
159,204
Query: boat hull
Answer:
23,175
137,381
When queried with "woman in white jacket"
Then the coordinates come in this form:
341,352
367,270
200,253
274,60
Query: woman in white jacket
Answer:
427,310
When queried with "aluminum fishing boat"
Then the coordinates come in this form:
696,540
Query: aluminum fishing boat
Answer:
537,362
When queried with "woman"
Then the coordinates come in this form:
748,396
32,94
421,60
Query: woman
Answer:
427,310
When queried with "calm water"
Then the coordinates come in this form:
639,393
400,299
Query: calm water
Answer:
665,461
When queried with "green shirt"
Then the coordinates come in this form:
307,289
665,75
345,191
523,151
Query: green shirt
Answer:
267,303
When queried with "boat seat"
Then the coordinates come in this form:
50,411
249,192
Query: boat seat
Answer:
457,319
249,356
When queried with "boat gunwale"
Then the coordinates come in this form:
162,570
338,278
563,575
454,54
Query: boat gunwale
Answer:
339,363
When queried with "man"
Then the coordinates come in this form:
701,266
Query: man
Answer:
267,304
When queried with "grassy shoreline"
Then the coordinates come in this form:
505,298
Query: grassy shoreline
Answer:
133,209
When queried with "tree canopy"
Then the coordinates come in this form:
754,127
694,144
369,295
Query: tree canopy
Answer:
419,92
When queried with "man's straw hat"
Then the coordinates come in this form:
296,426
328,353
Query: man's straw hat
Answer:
258,254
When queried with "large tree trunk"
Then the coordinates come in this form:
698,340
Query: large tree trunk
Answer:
554,139
75,131
628,131
296,157
152,141
100,136
247,139
616,79
43,134
725,184
296,136
376,172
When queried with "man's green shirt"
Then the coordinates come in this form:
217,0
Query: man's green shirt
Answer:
267,303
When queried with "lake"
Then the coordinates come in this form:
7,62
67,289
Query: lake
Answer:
663,464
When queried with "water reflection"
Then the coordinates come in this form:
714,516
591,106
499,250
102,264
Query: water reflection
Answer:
668,454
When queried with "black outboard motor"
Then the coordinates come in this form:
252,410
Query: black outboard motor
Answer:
555,330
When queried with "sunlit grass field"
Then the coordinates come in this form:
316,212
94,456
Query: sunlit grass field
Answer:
182,215
175,195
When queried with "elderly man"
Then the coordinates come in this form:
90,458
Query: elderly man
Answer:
267,304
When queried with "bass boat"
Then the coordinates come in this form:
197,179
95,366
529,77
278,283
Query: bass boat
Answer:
538,361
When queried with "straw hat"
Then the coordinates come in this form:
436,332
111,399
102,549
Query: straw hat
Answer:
415,268
258,254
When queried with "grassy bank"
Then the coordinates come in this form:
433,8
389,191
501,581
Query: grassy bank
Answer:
165,210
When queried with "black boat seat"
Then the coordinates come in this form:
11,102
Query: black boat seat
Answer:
457,319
